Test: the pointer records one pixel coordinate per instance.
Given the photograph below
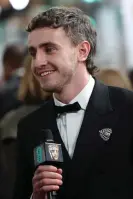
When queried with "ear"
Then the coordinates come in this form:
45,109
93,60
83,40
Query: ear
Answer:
83,51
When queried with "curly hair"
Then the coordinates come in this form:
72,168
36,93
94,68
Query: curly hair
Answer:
75,23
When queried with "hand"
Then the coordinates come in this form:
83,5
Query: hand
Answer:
46,178
39,195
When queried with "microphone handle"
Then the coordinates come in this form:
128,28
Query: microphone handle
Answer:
52,195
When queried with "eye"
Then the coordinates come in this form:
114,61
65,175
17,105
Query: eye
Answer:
50,49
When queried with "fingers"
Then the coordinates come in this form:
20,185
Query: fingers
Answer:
46,168
47,182
59,171
46,174
49,188
47,178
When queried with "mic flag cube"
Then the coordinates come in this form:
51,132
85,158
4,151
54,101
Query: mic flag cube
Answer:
48,153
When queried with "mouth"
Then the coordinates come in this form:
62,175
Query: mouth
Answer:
45,73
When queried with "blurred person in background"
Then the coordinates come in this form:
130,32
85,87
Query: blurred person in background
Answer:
12,61
113,77
91,121
32,96
130,75
13,58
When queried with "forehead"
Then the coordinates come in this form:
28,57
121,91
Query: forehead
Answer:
44,35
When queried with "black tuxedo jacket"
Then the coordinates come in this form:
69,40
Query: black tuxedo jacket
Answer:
102,164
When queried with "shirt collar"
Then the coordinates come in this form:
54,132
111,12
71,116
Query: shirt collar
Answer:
83,97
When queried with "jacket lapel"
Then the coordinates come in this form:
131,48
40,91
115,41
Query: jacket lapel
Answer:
99,115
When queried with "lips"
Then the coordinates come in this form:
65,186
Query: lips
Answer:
44,73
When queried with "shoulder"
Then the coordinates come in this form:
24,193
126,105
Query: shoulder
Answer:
36,115
115,97
120,94
121,99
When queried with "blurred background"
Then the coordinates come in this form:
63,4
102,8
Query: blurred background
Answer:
21,94
112,19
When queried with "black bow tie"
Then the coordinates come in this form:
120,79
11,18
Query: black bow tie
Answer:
68,108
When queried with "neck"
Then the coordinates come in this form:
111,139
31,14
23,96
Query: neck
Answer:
73,88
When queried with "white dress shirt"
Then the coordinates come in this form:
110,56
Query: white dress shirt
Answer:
69,123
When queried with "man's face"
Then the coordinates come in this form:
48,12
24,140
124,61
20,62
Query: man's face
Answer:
54,58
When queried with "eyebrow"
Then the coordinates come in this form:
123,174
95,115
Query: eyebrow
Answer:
43,45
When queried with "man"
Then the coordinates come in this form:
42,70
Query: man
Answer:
96,138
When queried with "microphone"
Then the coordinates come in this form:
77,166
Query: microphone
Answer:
48,153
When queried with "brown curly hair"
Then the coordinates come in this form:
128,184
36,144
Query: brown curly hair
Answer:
75,23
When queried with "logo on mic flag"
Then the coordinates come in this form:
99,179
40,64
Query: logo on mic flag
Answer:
48,153
53,151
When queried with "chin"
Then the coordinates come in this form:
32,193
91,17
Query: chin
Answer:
51,87
48,88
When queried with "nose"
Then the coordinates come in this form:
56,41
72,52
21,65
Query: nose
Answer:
41,59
